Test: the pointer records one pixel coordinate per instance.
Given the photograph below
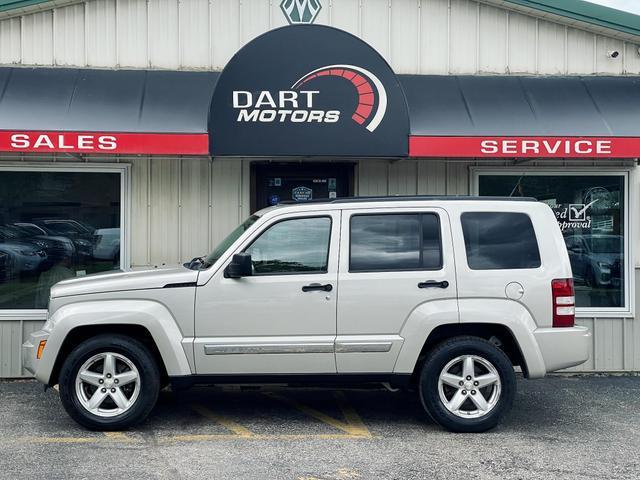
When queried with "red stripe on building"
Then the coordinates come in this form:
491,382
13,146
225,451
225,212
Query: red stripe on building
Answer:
105,143
525,147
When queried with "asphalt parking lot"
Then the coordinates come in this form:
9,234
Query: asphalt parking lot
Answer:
560,427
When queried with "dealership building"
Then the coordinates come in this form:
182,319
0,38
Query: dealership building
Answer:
138,133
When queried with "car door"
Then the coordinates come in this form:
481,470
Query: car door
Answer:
282,318
394,264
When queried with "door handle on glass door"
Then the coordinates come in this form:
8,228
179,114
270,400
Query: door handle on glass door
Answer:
317,286
433,284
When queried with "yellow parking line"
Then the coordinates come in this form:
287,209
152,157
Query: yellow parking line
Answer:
182,438
61,439
229,424
357,426
208,437
353,425
117,436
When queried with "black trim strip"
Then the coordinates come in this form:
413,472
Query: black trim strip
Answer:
353,379
180,285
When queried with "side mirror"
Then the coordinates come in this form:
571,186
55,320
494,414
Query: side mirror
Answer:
239,267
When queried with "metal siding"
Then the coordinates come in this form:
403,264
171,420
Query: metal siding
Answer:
226,197
194,207
375,26
254,18
373,178
403,176
580,51
405,32
345,15
434,37
194,27
551,48
10,41
140,212
68,31
493,40
431,177
416,36
37,38
523,51
132,33
604,64
100,33
225,31
463,36
631,58
163,34
164,231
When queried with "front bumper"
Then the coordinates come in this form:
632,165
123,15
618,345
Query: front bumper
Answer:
30,351
563,347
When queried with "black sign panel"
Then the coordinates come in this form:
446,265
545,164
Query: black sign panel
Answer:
308,90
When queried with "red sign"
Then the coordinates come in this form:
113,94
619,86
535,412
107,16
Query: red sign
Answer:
527,147
105,143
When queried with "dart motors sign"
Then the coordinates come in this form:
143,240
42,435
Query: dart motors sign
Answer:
308,90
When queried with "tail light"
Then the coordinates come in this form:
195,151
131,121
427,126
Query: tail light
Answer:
564,302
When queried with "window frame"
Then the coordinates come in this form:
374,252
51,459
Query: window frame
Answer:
630,179
420,245
287,219
124,170
466,252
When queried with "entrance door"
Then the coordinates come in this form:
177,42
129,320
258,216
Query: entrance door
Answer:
282,318
276,183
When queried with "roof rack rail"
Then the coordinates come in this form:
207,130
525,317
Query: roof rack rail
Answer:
398,198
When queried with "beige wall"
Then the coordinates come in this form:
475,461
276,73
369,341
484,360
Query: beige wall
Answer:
415,36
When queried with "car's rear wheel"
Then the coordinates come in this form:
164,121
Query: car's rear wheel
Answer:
467,384
109,382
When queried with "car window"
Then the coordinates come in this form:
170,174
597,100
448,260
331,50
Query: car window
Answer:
395,242
299,245
499,240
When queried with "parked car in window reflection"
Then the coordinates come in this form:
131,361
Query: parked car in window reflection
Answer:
80,233
595,259
5,267
56,246
26,256
106,244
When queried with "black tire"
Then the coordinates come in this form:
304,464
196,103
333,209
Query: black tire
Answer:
446,352
134,351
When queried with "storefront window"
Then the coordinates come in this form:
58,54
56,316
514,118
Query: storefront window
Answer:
590,212
55,226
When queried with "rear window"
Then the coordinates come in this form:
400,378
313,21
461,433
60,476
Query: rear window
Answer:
395,242
499,241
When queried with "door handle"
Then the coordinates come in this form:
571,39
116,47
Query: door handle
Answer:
433,284
317,287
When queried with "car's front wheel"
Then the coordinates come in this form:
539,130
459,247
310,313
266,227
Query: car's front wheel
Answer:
109,382
467,384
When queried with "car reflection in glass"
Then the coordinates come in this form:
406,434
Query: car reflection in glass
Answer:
106,245
81,234
24,254
595,259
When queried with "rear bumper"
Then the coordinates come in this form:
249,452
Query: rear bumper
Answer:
563,347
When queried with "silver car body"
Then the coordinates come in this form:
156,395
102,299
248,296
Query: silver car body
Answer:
372,323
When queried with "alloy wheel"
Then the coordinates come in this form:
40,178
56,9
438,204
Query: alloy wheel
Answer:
469,386
108,384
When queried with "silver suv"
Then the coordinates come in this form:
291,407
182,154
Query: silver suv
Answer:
445,295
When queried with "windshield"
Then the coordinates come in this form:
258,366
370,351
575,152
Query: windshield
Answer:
226,243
